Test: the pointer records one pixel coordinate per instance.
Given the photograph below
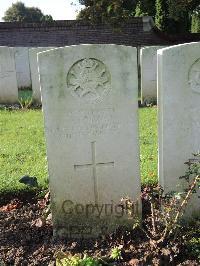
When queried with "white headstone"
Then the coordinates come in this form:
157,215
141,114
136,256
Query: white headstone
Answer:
8,80
22,67
179,113
90,104
148,61
35,73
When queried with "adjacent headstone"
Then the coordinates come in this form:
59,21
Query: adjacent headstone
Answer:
90,104
35,73
8,80
148,61
22,67
179,113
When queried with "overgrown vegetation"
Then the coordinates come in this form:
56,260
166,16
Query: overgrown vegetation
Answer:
164,226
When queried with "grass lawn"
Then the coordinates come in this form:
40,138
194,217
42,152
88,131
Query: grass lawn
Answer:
22,149
23,152
148,145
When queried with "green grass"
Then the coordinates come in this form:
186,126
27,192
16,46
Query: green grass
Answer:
148,145
22,148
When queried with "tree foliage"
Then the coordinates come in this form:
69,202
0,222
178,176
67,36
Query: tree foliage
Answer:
19,12
103,10
174,16
195,28
181,11
145,8
161,14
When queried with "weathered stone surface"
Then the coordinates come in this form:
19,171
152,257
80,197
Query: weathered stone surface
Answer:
90,104
179,113
22,67
8,80
148,60
34,72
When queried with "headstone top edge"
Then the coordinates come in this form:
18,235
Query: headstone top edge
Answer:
153,46
44,47
177,47
87,46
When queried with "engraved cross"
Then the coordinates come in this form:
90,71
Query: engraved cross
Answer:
94,166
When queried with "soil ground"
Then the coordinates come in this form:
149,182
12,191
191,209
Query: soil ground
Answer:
24,242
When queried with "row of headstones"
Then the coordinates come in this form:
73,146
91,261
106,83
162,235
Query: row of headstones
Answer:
148,67
90,104
23,62
18,70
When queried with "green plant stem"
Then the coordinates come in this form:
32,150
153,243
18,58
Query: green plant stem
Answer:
184,202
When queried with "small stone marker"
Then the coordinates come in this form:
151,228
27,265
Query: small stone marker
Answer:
22,67
148,59
35,73
90,107
179,114
8,79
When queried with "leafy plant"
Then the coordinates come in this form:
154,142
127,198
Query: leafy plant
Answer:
162,226
25,98
192,239
64,259
116,253
193,246
25,103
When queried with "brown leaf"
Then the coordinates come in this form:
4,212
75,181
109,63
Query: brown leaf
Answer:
42,203
39,222
15,204
134,262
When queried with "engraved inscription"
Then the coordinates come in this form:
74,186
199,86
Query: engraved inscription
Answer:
89,79
194,76
94,166
5,74
91,123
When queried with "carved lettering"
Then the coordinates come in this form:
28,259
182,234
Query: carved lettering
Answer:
93,123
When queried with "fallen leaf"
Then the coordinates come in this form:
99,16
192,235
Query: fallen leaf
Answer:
15,204
134,262
38,222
